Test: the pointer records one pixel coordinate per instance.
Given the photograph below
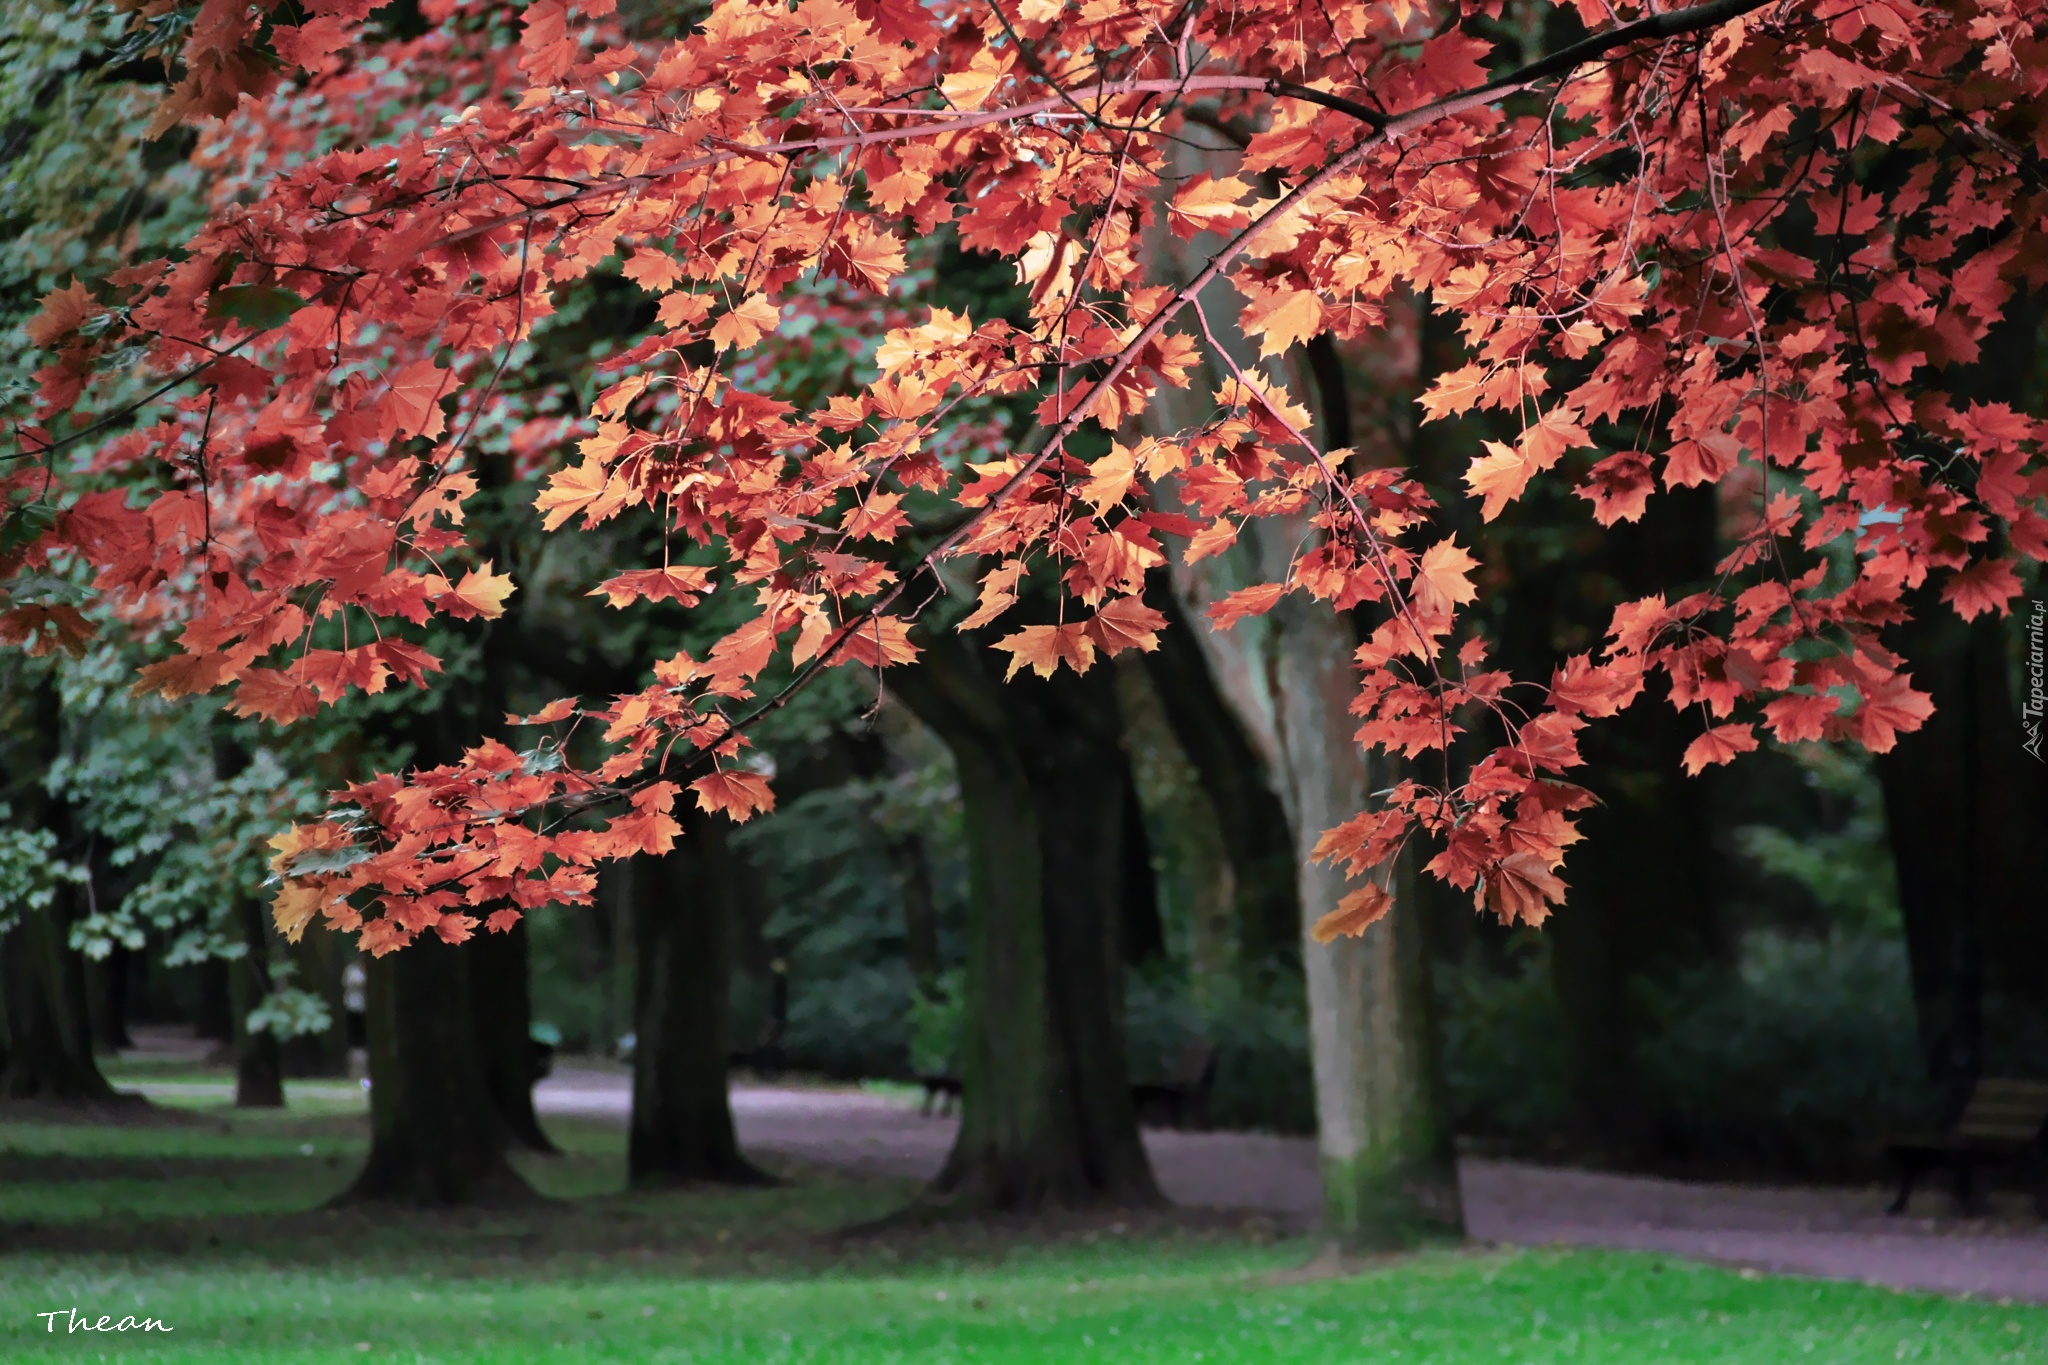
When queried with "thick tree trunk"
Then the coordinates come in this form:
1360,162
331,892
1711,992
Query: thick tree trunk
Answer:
1965,806
436,1139
48,1042
502,1011
683,916
259,1057
1046,1113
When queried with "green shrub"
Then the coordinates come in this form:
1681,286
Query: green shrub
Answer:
1799,1062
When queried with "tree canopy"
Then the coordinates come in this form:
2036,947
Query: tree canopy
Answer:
1758,246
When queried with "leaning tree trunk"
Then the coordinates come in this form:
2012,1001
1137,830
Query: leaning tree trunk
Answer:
1046,1112
436,1139
683,915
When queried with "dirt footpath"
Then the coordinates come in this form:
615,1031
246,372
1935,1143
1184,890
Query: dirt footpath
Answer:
1832,1233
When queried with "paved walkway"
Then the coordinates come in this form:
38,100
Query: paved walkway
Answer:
1832,1233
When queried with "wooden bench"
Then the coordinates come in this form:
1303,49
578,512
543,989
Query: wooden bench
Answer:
1181,1097
2001,1125
1184,1094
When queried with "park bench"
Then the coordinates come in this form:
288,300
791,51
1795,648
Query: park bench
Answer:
2001,1125
1184,1094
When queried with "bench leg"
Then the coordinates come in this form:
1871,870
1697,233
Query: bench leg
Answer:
1967,1203
1910,1170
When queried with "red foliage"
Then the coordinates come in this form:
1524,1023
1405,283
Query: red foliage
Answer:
1664,242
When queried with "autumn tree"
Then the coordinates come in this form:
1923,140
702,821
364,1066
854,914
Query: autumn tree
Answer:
1676,248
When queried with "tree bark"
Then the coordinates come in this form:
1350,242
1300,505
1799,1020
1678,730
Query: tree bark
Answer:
502,1013
436,1138
320,960
48,1043
1046,1113
1965,806
1389,1168
683,916
1238,781
259,1057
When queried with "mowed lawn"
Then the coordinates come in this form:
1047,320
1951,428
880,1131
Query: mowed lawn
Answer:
209,1226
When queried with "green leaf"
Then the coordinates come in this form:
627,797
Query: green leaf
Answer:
326,860
25,523
259,307
41,587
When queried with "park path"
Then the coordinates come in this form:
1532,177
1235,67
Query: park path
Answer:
1824,1232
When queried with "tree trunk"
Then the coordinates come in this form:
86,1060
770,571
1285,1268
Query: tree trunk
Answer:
1388,1165
1383,1128
683,916
1250,818
436,1138
1046,1113
48,1043
502,1013
320,960
259,1058
1965,806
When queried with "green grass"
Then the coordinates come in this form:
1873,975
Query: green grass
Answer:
204,1225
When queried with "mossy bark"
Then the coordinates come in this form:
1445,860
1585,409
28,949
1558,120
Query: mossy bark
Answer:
1046,1113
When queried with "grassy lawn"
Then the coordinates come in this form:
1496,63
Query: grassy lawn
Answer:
207,1222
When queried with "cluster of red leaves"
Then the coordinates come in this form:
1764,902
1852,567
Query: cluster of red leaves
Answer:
1668,235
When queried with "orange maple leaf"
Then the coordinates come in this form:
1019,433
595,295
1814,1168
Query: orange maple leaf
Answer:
1357,912
1205,205
738,794
746,324
1718,745
1125,623
1256,600
480,593
1045,648
680,583
1499,476
588,488
1443,579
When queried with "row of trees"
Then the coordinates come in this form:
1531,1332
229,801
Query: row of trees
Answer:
831,425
